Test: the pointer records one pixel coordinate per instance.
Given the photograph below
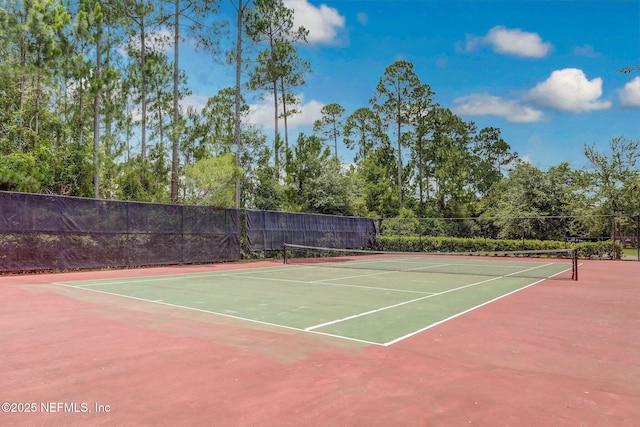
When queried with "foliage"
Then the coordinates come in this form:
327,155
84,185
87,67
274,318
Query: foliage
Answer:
529,192
271,23
405,224
392,99
613,179
377,173
211,181
493,155
89,105
362,131
315,182
594,250
330,125
17,173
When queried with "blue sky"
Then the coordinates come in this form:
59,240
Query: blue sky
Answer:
544,72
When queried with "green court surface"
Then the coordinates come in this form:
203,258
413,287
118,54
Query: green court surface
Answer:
370,301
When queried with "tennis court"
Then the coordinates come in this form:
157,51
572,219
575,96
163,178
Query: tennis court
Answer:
318,342
373,298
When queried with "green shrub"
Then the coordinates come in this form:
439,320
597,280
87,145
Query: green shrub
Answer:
587,250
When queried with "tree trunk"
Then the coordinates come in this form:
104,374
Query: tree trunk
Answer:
176,116
399,165
286,128
275,139
143,135
96,124
236,123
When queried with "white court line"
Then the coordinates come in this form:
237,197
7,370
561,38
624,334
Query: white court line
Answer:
262,279
456,315
245,274
215,313
290,327
384,272
355,316
128,280
467,311
338,285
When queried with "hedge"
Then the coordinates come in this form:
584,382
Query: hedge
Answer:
586,250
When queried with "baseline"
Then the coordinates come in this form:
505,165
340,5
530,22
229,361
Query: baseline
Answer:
355,316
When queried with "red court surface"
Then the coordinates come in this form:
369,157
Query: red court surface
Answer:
560,353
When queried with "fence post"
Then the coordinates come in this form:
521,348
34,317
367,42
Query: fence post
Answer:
613,236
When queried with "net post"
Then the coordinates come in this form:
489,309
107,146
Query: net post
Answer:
284,252
575,264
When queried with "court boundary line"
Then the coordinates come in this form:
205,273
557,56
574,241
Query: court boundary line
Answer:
215,313
366,313
142,279
414,333
264,279
426,328
312,330
342,285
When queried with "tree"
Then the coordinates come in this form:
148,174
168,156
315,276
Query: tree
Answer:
451,162
493,155
92,26
613,176
405,224
219,119
315,182
138,12
159,96
295,71
529,194
32,37
362,130
241,8
420,117
377,171
392,99
330,126
211,181
260,189
196,13
271,22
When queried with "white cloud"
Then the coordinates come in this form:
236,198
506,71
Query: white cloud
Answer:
489,105
197,102
526,159
310,112
586,50
442,62
262,113
511,42
155,40
323,22
630,94
569,90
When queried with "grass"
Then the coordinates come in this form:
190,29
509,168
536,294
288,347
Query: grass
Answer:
630,253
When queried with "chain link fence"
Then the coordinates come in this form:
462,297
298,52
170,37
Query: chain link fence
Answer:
42,232
621,229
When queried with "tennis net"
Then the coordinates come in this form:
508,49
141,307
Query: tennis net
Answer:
559,264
